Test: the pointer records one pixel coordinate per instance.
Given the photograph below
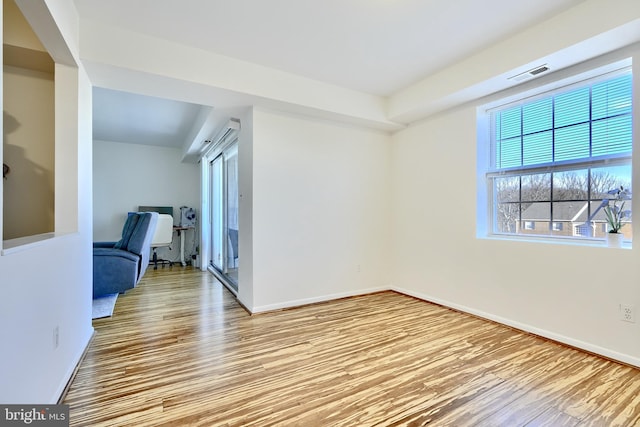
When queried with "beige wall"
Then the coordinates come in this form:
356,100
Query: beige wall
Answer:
16,30
29,152
28,131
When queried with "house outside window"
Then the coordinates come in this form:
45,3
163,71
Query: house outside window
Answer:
554,157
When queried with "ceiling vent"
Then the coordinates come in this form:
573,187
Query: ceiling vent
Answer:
530,73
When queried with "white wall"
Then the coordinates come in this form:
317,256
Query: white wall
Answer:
126,176
320,210
245,210
565,292
48,284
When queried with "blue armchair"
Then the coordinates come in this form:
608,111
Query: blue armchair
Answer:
118,266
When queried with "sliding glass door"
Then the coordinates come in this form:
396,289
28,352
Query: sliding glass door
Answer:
217,205
224,214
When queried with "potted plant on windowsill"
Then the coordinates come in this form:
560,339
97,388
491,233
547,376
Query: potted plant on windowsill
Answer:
615,213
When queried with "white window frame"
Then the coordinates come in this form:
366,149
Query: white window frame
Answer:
486,204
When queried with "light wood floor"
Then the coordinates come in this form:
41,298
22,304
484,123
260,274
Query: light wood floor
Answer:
180,351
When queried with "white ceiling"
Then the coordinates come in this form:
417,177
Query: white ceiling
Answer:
372,46
130,118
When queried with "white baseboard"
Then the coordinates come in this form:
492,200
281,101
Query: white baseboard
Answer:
71,371
314,300
610,354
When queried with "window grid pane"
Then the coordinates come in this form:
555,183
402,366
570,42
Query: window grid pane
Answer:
572,107
587,125
572,142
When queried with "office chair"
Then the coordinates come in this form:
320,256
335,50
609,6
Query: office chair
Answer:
163,237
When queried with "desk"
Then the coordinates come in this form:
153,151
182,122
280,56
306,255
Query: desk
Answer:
179,229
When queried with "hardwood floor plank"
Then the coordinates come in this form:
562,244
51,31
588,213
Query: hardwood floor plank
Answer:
179,350
553,418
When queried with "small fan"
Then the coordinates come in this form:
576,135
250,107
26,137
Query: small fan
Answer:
187,217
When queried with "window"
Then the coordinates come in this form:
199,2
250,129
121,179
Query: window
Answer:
554,157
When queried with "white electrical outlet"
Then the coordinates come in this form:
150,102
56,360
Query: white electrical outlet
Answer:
56,337
627,313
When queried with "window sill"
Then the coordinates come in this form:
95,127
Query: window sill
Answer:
20,244
556,241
